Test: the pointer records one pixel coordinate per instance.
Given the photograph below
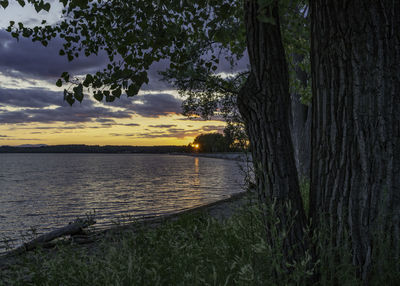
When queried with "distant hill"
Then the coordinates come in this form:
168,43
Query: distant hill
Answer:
92,149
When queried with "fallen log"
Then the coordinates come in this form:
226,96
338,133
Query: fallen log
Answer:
71,229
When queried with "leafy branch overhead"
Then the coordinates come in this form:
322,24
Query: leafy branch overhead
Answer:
135,34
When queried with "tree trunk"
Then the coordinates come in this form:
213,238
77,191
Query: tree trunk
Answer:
264,103
356,117
301,127
301,135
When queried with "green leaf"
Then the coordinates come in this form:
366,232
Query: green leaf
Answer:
110,98
98,96
4,4
88,80
59,83
132,90
38,8
68,97
46,7
78,92
78,96
117,92
65,76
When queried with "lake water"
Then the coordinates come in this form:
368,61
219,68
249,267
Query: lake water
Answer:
46,191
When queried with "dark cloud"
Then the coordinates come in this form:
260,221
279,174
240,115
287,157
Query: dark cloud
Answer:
74,127
23,58
130,124
151,105
171,132
163,126
79,113
121,135
209,128
179,132
21,139
214,118
3,136
35,106
105,120
33,98
32,58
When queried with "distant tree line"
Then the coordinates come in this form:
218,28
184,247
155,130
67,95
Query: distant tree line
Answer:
217,142
94,149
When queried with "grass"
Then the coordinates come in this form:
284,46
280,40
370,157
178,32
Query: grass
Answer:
194,250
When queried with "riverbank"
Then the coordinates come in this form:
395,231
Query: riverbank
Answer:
181,249
220,211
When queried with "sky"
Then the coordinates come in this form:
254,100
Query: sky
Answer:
32,110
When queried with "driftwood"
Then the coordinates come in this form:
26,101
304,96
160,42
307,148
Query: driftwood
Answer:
43,240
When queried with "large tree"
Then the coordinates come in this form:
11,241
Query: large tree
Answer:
355,71
264,103
355,127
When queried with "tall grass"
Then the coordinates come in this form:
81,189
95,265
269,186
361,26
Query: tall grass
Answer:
195,250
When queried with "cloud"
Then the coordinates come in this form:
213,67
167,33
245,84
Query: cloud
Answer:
25,59
213,118
151,105
105,120
33,98
209,128
122,135
45,106
21,139
32,58
163,126
171,132
79,113
129,124
58,128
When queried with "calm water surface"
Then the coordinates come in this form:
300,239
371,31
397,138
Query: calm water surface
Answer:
46,191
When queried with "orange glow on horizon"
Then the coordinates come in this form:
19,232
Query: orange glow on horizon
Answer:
136,131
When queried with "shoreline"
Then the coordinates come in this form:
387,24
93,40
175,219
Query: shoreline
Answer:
219,210
234,156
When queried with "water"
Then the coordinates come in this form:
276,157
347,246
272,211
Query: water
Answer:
46,191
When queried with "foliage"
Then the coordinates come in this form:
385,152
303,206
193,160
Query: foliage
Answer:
212,142
216,142
208,93
192,35
135,34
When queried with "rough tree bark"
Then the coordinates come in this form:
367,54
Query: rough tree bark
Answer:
301,136
301,127
356,120
264,103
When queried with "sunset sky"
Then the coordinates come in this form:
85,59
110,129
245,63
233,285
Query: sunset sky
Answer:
32,110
